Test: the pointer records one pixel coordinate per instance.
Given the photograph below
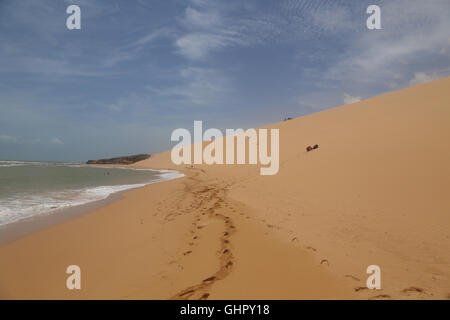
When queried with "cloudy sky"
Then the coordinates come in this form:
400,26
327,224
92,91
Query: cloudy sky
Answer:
139,69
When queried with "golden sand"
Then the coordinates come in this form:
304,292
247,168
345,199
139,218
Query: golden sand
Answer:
376,192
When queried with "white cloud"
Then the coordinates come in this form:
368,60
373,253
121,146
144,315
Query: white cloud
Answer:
392,84
152,36
198,45
213,25
51,67
114,107
56,141
198,87
134,103
7,139
203,86
422,77
116,58
51,55
350,99
207,30
196,18
337,18
413,33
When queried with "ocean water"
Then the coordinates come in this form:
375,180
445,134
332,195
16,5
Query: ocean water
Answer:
30,188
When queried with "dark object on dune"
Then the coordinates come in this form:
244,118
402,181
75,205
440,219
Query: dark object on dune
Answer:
121,160
309,148
286,119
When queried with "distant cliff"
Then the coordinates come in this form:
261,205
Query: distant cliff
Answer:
121,160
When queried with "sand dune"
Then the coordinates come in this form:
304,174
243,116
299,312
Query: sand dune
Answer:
375,192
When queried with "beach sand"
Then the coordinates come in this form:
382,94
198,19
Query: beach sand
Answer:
374,193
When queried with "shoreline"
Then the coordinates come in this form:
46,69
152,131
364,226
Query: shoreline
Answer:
27,226
18,229
191,247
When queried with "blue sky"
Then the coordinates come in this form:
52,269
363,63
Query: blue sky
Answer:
139,69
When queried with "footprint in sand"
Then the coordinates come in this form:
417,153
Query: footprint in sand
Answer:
325,261
187,292
204,296
412,289
352,277
210,279
360,288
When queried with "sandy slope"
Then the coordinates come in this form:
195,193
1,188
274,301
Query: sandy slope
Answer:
375,192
